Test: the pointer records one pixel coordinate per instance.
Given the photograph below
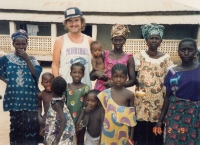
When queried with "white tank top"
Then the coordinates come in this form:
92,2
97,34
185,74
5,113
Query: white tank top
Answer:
72,53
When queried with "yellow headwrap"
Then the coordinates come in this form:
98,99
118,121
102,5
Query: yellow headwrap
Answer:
119,30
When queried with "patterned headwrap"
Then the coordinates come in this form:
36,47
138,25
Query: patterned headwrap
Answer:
119,30
152,29
19,33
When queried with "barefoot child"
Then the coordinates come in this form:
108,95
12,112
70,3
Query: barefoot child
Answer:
119,120
97,60
91,117
76,92
44,98
59,126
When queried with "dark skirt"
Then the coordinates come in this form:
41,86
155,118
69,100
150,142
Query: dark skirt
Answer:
143,134
24,128
183,122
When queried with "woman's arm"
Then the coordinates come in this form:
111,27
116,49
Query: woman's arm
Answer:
131,73
58,108
164,108
56,55
163,113
131,129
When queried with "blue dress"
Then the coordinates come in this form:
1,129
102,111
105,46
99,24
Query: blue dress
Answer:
21,98
22,88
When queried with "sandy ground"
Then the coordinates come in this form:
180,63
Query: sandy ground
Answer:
4,116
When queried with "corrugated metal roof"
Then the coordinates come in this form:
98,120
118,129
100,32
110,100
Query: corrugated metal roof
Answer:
117,6
129,20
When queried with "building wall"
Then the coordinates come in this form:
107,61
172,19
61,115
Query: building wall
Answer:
60,29
170,32
44,28
180,31
135,32
4,28
103,35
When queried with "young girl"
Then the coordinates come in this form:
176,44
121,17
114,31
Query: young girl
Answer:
182,101
119,120
119,33
76,92
59,127
91,117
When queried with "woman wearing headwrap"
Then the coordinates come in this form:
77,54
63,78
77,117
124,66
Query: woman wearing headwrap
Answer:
21,73
152,66
119,33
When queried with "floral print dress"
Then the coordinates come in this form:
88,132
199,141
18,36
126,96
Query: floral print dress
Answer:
151,73
52,126
75,99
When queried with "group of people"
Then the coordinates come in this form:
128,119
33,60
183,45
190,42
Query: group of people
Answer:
109,114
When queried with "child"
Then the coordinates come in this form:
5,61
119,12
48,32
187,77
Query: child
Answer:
59,127
44,97
97,60
91,117
76,92
119,120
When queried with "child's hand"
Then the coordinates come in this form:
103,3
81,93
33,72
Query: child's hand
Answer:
140,88
87,109
157,129
78,128
42,132
55,143
130,142
108,84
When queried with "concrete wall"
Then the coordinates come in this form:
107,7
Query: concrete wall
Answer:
4,28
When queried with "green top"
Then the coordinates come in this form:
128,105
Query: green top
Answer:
75,99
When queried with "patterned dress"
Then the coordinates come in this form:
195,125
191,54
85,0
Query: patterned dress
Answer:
99,85
151,73
183,116
53,124
75,99
21,98
117,119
